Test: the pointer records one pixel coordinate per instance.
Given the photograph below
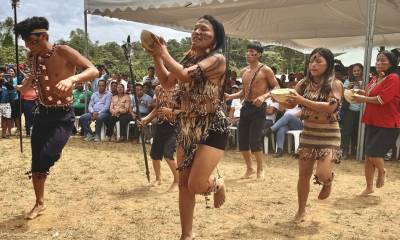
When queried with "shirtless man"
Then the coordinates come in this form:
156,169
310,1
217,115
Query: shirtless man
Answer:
53,76
258,80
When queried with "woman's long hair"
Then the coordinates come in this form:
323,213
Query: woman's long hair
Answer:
328,76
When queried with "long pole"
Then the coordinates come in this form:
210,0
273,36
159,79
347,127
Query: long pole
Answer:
369,40
86,54
128,47
14,6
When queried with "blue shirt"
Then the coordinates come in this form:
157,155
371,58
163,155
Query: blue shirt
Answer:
4,95
14,93
144,103
100,103
95,83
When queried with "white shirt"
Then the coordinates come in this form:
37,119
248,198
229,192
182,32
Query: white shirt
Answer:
237,105
273,104
293,111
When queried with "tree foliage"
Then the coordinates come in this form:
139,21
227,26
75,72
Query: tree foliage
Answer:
112,55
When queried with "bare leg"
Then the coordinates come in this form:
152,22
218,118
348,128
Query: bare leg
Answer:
172,166
380,165
200,180
38,180
303,187
3,127
157,171
324,173
260,170
249,171
186,200
369,169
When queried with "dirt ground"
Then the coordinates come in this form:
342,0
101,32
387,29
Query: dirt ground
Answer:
99,191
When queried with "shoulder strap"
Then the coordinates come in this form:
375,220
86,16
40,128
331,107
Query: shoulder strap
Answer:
248,92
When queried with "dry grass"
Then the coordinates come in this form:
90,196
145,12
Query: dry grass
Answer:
99,191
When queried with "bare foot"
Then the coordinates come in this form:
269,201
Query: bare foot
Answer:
366,192
156,183
299,217
380,181
219,195
325,191
36,211
248,174
187,237
260,175
173,187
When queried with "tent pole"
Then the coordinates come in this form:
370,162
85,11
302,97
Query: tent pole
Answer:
367,64
85,12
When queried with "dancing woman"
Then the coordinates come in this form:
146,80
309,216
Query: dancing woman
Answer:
202,124
319,94
381,118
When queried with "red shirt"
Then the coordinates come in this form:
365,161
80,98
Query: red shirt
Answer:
386,114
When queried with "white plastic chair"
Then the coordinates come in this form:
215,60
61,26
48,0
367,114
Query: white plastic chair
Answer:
266,142
76,123
104,128
235,133
296,137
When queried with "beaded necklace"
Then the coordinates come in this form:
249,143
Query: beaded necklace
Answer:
38,66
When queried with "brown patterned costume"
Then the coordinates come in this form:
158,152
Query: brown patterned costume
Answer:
165,130
197,123
320,137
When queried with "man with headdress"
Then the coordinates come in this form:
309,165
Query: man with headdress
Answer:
258,80
53,76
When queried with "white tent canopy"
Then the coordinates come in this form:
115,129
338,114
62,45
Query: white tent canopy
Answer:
301,24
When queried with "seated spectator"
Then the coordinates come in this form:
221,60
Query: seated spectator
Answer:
99,106
5,106
119,110
271,110
289,121
103,75
235,106
80,98
113,87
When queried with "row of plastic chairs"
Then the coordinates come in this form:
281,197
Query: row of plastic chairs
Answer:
292,136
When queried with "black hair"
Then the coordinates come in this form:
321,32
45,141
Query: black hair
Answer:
151,67
357,65
256,46
328,75
392,60
219,32
113,82
25,28
339,67
102,80
396,52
